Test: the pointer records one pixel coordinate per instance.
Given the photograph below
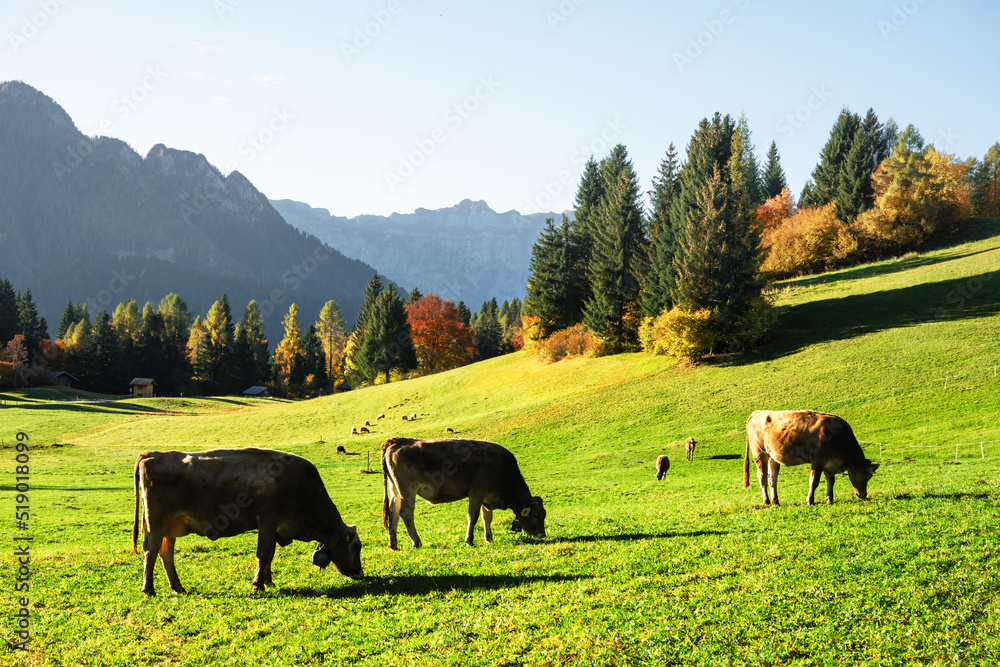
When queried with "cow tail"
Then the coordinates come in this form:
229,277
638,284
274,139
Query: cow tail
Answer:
746,463
135,521
385,490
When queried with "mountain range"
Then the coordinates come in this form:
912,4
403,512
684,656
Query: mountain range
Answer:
88,219
467,252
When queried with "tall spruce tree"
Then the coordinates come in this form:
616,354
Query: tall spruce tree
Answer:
826,175
854,190
774,175
619,245
352,366
718,254
8,312
29,323
387,344
107,357
748,158
551,280
877,138
488,336
659,278
251,346
71,315
589,195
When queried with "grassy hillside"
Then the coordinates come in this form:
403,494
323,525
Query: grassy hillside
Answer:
691,570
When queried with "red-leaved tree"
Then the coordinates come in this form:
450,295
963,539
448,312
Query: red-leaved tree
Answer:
441,340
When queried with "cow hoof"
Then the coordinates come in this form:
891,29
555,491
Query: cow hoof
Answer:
178,589
417,544
149,592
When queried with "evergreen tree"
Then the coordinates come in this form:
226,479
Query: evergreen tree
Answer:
71,315
415,296
29,323
854,191
807,193
218,372
352,364
151,356
986,184
826,175
464,314
718,254
748,158
388,343
8,312
581,237
253,358
774,175
176,323
890,133
106,355
877,138
550,280
616,262
659,278
488,338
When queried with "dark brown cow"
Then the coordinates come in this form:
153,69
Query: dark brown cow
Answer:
794,437
225,492
444,471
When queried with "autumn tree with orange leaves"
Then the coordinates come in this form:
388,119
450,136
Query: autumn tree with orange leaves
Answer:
441,339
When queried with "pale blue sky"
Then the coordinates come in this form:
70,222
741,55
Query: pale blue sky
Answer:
449,100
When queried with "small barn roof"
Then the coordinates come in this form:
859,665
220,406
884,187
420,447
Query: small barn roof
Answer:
72,377
256,391
141,382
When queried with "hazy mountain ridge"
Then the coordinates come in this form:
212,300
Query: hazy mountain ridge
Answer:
89,219
467,252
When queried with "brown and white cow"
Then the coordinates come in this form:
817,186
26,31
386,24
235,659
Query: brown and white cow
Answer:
691,442
447,470
225,492
793,437
662,466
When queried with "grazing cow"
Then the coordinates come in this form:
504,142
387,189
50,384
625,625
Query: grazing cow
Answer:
449,429
691,442
367,423
793,437
662,466
354,430
413,417
444,471
225,492
365,430
404,417
380,416
341,450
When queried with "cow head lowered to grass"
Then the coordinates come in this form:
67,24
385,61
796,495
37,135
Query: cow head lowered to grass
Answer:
225,492
793,437
444,471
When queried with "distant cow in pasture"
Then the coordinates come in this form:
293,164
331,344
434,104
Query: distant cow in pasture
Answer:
793,437
449,429
404,417
367,423
662,466
444,471
341,450
364,430
691,442
354,430
413,417
380,416
226,492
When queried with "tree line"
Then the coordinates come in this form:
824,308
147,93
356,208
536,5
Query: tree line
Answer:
215,354
687,276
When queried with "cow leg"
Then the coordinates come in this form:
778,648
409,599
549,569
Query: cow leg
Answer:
487,521
773,468
167,556
151,544
830,477
474,506
265,554
762,480
406,508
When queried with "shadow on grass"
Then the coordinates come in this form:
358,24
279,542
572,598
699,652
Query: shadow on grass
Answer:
724,457
982,495
420,585
635,537
807,324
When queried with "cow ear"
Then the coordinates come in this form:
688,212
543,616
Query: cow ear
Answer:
875,466
526,511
